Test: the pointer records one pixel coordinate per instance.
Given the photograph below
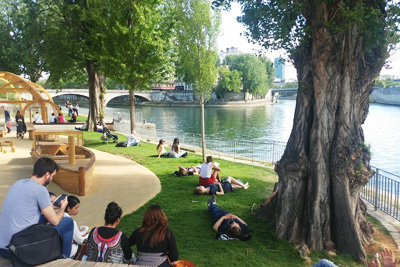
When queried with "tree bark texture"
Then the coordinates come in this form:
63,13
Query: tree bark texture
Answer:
326,162
97,91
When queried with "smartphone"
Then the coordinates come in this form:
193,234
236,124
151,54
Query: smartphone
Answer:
57,202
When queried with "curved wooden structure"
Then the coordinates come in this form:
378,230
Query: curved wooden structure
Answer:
11,83
76,162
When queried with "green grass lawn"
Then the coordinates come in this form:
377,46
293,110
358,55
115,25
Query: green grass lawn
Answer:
190,221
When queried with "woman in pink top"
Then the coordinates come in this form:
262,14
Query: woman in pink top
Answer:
61,118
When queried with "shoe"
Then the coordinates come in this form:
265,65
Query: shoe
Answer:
211,200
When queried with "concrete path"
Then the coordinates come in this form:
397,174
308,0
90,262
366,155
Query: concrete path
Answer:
115,179
390,223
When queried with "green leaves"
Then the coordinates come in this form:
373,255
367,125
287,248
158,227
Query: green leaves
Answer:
197,29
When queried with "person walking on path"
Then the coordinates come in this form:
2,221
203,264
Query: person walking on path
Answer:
7,117
25,203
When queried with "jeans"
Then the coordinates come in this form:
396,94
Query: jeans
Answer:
66,229
216,213
5,253
7,123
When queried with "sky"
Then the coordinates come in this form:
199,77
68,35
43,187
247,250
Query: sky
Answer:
232,35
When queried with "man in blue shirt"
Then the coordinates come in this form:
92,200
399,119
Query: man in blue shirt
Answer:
25,203
7,118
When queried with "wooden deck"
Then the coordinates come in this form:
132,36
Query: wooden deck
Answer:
70,262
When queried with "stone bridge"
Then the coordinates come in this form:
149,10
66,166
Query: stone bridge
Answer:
111,94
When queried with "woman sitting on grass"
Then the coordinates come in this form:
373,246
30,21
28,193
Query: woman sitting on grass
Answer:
175,150
161,149
226,186
209,172
154,240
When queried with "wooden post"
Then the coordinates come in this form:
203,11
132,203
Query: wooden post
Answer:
71,149
81,177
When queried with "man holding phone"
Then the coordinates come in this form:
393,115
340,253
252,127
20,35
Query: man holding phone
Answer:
27,200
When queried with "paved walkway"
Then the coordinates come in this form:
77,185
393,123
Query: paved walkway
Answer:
115,179
390,223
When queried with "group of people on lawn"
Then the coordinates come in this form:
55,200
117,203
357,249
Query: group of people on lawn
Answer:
28,202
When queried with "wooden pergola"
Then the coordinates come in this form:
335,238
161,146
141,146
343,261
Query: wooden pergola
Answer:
17,84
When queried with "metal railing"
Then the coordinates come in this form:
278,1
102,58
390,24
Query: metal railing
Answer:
263,152
383,191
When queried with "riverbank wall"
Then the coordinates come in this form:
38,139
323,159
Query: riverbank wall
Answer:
389,96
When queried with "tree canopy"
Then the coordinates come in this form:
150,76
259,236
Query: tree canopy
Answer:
197,29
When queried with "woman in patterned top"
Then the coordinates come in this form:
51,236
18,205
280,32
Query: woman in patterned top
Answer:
106,243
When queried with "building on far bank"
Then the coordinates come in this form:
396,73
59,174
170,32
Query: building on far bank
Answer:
279,65
232,51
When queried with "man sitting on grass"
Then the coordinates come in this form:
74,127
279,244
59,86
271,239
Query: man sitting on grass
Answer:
225,223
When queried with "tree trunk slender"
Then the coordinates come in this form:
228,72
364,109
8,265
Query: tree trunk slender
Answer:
132,108
203,131
96,96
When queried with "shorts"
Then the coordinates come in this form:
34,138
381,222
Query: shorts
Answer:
206,181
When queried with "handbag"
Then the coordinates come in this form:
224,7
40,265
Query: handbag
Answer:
82,251
35,245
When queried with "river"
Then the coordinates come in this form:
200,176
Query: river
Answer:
271,122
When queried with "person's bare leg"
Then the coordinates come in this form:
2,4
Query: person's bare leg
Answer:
217,176
236,184
180,167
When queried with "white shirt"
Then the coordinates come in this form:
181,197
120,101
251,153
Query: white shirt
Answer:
77,237
205,170
38,118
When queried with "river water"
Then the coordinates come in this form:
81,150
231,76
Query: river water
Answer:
271,122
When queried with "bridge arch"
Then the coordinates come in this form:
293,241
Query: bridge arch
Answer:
111,97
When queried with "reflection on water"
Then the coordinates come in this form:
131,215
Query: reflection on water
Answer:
272,122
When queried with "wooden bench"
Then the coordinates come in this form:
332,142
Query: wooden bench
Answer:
30,129
70,262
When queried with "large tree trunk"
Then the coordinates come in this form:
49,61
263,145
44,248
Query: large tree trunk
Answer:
132,108
97,91
326,162
203,131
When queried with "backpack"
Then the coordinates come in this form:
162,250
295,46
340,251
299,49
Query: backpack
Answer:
121,144
35,245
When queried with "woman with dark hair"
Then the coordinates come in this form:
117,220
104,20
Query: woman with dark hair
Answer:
20,123
209,171
154,240
80,235
175,150
106,243
161,149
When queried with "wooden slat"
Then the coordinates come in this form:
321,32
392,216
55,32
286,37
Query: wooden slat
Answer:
73,263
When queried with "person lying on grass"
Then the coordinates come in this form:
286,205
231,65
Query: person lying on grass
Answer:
226,186
225,222
187,171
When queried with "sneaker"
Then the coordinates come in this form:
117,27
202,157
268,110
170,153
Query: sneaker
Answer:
211,200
